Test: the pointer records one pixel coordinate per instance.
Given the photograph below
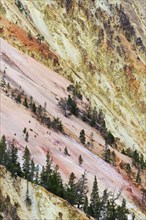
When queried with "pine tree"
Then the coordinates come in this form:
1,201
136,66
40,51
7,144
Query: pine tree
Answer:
46,171
55,184
32,171
135,158
110,138
8,86
18,98
141,161
27,136
72,106
57,125
91,140
43,178
95,199
36,181
25,103
85,207
24,130
82,190
40,110
44,109
111,210
128,169
71,189
66,152
123,151
27,164
3,151
122,211
113,158
107,155
48,164
33,108
138,178
93,117
80,160
82,136
31,101
13,165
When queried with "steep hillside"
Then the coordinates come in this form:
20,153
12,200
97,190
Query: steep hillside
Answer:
98,44
67,68
44,205
25,74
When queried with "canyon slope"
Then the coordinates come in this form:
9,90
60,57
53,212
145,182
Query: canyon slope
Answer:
23,72
99,45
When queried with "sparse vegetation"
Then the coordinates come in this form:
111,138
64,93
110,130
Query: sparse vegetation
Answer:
80,159
75,192
82,136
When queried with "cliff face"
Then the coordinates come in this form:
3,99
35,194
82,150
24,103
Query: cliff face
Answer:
99,44
42,205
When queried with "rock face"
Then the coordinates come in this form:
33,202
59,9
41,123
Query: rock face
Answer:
43,205
99,44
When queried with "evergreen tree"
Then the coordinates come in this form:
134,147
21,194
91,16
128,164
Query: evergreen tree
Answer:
40,110
94,117
128,169
113,158
36,181
123,151
107,155
110,138
32,171
13,165
55,184
138,178
3,83
25,103
82,190
95,199
33,108
91,140
71,190
85,207
80,160
8,86
72,106
3,151
43,178
111,209
142,162
135,158
31,101
18,98
122,211
24,130
66,152
57,125
48,164
27,136
82,136
27,164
